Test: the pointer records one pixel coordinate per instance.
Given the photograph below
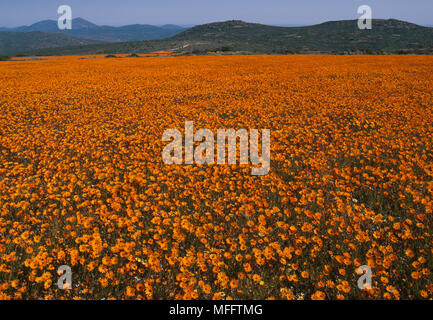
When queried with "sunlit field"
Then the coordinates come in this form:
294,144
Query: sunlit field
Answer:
83,184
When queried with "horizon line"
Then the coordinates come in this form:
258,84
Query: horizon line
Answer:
190,25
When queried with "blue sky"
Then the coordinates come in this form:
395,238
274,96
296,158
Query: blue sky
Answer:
121,12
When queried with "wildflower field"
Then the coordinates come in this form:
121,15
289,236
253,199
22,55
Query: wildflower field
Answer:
83,184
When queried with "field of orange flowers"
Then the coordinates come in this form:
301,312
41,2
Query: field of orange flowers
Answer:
82,181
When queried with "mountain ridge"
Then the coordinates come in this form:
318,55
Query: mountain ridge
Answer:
343,36
82,28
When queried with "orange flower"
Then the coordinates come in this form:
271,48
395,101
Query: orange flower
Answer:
318,295
83,184
130,292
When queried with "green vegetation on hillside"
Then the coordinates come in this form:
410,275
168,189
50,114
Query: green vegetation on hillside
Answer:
338,37
13,43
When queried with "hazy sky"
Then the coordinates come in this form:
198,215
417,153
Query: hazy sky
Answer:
120,12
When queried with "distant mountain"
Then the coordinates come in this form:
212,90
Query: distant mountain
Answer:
80,23
44,26
173,27
135,32
82,28
20,42
387,36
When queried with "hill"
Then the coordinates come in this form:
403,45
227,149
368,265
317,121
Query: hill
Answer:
387,36
334,35
18,42
51,26
82,28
